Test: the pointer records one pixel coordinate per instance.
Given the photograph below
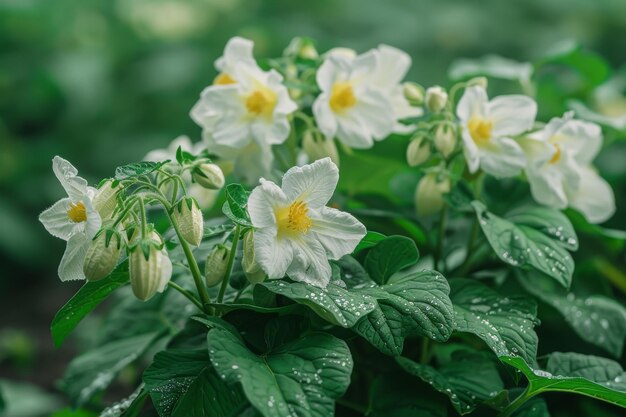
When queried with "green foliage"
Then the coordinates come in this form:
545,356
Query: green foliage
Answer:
137,169
235,206
389,256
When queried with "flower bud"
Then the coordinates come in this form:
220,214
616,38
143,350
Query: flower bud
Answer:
208,175
251,267
188,215
418,151
149,267
436,99
414,93
477,81
445,139
102,255
216,265
302,48
319,148
105,199
429,194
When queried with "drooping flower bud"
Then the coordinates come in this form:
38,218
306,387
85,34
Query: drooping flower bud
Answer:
208,175
216,265
102,255
105,199
188,215
414,93
319,148
436,99
429,194
251,267
149,267
418,151
445,139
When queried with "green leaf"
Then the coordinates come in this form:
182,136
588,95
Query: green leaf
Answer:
524,246
128,407
333,303
235,205
396,396
535,407
598,320
137,169
414,304
505,324
550,222
599,378
470,379
369,240
389,256
302,378
589,65
183,383
93,371
491,66
84,301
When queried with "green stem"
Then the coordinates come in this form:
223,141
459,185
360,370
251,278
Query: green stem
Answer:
188,294
518,402
229,266
425,353
467,263
440,236
142,212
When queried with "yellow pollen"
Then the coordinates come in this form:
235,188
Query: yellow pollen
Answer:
261,102
557,155
342,97
293,219
77,212
223,79
480,130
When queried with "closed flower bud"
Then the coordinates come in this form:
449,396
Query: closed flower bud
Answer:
105,199
445,139
414,93
216,265
319,148
149,266
102,255
251,267
302,48
429,194
188,215
436,99
208,175
418,151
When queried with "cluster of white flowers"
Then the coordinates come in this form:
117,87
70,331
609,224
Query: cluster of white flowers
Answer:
498,137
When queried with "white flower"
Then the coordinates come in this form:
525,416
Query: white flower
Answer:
238,51
559,168
73,219
183,141
487,128
295,232
362,97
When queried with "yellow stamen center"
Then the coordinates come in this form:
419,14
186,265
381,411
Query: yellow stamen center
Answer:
77,212
223,79
294,218
557,155
261,102
342,97
480,130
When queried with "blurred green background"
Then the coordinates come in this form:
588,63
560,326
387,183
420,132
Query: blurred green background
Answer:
102,82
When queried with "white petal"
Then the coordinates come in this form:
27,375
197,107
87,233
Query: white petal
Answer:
546,187
363,66
324,116
94,221
594,197
538,152
511,115
238,51
502,157
353,133
203,115
337,231
393,64
333,69
310,264
472,103
71,266
375,112
470,151
274,255
74,186
263,202
273,132
582,139
57,223
313,184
